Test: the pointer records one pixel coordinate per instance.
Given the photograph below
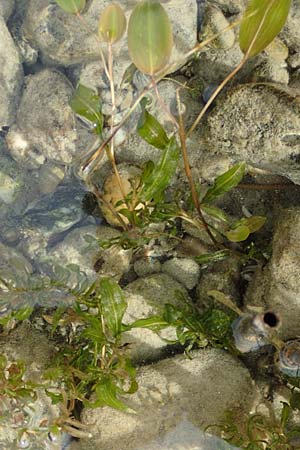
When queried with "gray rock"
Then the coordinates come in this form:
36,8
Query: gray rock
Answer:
259,125
6,8
45,128
199,390
291,33
276,287
11,76
14,267
184,270
146,297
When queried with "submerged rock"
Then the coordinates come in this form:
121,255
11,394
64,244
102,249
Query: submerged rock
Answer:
199,390
11,76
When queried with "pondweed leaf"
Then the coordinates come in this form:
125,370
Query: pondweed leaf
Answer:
262,21
151,130
154,323
106,394
150,38
113,305
215,212
86,103
71,6
209,258
239,234
225,182
112,23
254,223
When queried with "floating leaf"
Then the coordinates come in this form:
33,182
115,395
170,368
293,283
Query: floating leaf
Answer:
112,23
208,258
113,305
254,223
262,21
150,37
151,130
239,234
71,6
86,103
225,182
159,179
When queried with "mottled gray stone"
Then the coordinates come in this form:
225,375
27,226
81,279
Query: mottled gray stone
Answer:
11,76
45,127
6,8
184,270
256,124
276,286
199,390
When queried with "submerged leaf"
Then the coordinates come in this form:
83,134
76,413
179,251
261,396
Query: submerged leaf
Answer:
112,23
106,394
71,6
225,182
151,130
254,223
159,178
86,103
154,323
208,258
239,234
113,305
261,23
150,38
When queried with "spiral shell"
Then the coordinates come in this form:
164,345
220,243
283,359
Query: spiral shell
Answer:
250,332
289,358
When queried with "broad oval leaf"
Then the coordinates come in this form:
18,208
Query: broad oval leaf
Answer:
71,6
86,103
112,23
262,21
254,223
150,38
151,130
113,305
225,182
238,234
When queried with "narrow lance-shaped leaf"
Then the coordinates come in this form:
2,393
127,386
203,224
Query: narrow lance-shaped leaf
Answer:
112,23
86,103
162,173
262,21
113,305
151,130
154,323
106,394
71,6
150,38
225,182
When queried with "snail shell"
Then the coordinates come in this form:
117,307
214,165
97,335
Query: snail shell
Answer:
250,332
289,358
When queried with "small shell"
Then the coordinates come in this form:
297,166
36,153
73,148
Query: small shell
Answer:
289,358
251,332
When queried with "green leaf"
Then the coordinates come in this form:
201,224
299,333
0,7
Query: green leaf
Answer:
93,331
160,177
112,23
150,38
71,6
262,21
106,392
113,305
215,212
254,223
151,130
239,234
208,258
225,182
86,103
154,323
285,414
224,300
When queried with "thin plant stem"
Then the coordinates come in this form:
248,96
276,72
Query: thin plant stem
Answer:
110,150
187,169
